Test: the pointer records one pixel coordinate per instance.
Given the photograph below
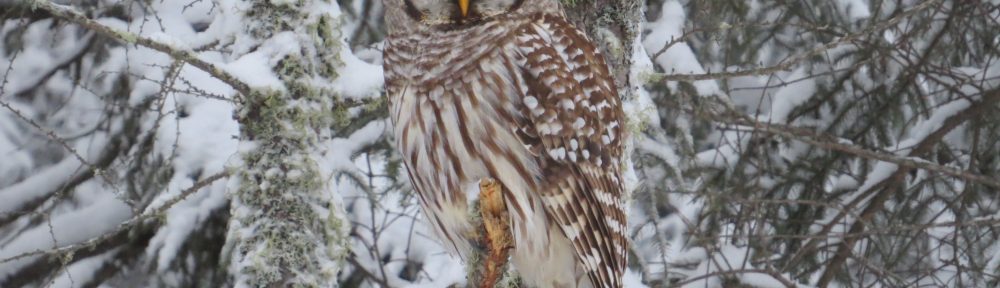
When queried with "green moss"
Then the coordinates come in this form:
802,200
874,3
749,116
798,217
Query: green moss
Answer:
290,68
377,104
126,36
510,279
261,104
651,78
282,186
273,18
341,116
326,32
282,195
639,123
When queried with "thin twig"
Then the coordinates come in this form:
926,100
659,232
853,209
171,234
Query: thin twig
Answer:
834,143
69,14
791,62
156,212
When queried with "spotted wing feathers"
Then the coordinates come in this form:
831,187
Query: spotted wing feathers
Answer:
574,127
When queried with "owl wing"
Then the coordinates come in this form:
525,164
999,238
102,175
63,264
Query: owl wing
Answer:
573,126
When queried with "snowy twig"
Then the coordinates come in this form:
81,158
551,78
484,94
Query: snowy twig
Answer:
10,68
52,136
791,62
674,41
728,115
97,167
187,56
352,258
771,272
893,231
727,26
990,98
124,226
834,143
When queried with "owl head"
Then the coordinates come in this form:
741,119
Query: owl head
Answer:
410,14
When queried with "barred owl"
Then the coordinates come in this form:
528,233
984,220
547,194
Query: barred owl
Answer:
509,90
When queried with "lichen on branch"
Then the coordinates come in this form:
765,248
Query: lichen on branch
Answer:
287,228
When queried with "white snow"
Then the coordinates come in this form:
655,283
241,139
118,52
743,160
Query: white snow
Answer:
790,96
82,271
360,79
729,258
17,160
679,58
855,9
879,173
254,69
38,185
170,40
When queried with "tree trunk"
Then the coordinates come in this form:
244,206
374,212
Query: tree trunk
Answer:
613,25
286,227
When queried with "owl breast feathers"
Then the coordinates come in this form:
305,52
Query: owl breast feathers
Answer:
525,98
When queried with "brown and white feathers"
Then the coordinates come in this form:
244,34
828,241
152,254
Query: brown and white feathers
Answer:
512,91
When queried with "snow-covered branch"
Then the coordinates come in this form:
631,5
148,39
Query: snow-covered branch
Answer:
793,61
124,227
173,49
831,142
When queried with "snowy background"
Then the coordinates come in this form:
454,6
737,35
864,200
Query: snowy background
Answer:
849,143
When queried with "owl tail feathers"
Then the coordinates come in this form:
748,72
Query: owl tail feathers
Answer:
489,263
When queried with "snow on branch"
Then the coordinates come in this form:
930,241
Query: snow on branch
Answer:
925,145
178,53
790,62
124,226
186,55
181,54
830,142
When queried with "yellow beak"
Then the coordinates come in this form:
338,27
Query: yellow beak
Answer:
464,6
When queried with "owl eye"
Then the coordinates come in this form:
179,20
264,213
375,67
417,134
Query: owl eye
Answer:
517,5
412,10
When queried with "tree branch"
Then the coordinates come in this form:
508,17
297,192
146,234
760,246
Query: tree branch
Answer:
922,148
69,14
834,143
124,226
722,113
791,62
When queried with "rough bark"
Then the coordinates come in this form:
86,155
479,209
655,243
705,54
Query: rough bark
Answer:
613,25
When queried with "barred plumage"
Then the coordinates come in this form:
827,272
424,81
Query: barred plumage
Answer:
510,90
